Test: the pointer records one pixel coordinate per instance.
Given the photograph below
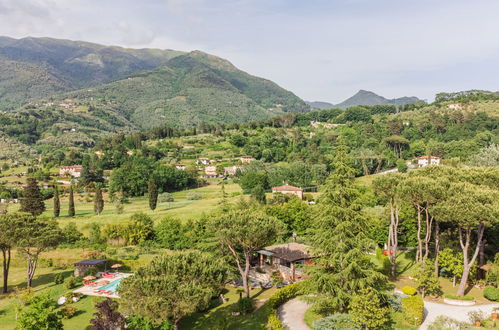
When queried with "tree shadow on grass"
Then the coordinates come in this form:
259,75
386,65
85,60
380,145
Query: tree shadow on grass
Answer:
45,280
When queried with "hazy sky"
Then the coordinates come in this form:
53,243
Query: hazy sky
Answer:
319,49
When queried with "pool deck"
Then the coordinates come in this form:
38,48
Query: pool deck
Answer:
90,290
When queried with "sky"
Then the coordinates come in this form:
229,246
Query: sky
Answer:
319,49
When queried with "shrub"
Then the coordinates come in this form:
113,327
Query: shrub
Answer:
491,293
59,278
447,323
192,196
413,309
367,310
285,294
68,311
395,302
409,290
166,198
336,321
476,316
72,282
245,305
273,322
466,298
402,166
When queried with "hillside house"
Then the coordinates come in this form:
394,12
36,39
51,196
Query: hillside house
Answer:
232,170
286,258
180,167
247,159
74,171
210,172
427,160
203,161
288,190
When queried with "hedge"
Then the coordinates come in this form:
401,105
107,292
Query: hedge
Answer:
491,293
279,298
413,310
465,298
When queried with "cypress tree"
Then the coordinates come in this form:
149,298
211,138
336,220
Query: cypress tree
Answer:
71,211
153,194
32,201
98,201
57,202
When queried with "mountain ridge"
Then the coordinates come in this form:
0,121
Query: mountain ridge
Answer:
364,97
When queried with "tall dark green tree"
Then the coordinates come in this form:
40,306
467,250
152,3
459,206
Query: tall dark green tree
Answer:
57,202
258,193
71,210
32,201
153,194
98,201
340,239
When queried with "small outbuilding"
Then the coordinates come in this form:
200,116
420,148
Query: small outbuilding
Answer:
284,257
81,267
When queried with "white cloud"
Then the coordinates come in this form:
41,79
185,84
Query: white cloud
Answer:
319,49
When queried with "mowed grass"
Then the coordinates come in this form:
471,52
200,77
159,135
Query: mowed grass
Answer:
219,316
181,208
44,284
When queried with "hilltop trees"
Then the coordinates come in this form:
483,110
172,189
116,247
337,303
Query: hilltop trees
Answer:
241,233
172,286
31,201
339,237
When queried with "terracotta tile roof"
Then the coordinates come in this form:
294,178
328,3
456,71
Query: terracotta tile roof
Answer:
289,251
286,187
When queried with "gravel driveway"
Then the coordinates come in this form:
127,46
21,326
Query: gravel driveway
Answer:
292,314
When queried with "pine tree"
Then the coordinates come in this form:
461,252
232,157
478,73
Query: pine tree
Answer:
57,202
339,236
71,211
98,201
153,194
32,201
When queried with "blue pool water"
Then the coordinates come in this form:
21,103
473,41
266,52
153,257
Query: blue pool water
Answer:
112,286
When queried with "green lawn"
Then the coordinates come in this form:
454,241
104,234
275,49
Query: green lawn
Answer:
182,208
219,316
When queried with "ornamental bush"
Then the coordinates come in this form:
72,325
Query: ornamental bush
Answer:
409,290
413,310
59,278
68,311
72,282
336,321
491,293
245,305
466,298
192,196
273,322
285,294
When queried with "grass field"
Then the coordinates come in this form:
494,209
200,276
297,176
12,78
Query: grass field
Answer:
181,208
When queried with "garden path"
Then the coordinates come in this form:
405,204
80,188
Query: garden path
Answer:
460,313
292,314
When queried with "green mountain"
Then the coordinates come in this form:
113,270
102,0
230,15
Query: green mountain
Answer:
33,68
364,97
180,90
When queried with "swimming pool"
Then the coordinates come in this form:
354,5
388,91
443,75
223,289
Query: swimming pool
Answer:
112,286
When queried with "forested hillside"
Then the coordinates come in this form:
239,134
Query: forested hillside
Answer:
33,68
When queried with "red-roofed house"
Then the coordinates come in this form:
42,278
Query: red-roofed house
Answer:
290,190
